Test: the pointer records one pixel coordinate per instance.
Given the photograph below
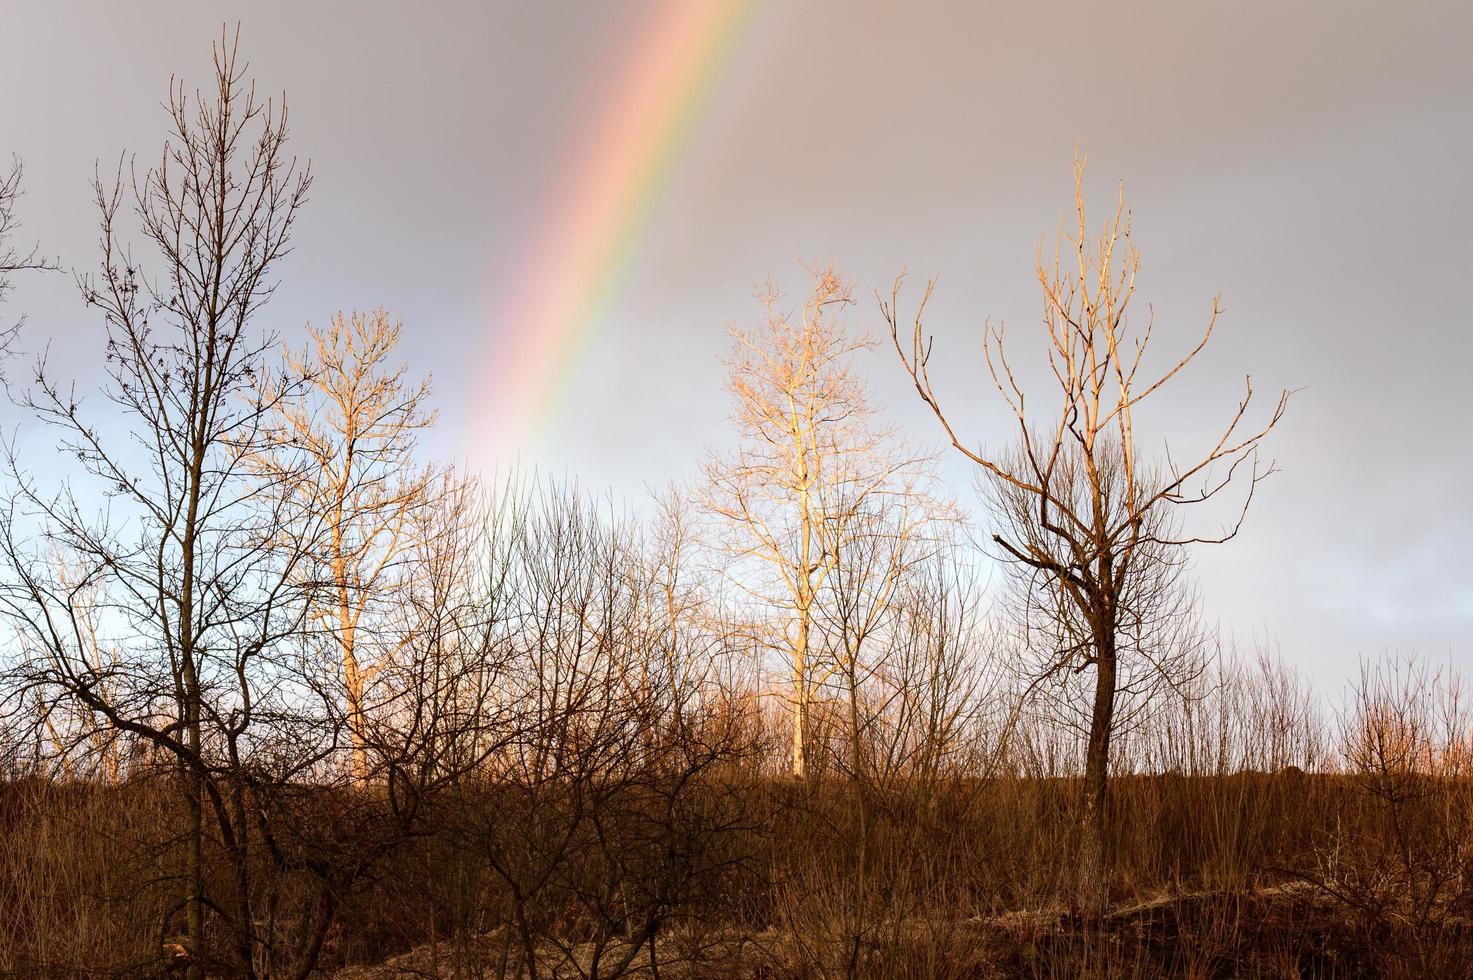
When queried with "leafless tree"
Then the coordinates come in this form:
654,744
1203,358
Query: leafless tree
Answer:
179,569
590,815
357,430
811,455
1096,528
877,545
80,742
942,714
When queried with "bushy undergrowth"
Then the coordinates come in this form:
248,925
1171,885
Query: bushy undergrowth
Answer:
1362,868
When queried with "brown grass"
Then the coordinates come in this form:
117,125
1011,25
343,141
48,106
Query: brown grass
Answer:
1363,868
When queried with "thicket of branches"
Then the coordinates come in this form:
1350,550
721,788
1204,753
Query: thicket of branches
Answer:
282,696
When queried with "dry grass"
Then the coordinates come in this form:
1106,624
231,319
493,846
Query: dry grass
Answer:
1362,869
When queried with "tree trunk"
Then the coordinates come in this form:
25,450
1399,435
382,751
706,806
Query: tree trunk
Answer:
800,724
856,740
1094,871
357,722
800,696
195,904
195,908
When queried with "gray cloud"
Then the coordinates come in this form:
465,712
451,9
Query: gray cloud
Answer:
1308,161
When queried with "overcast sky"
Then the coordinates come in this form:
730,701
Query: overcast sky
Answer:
1308,161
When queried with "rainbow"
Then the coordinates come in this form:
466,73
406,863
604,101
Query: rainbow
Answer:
598,215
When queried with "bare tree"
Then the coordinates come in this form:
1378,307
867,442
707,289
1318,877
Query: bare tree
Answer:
876,547
933,694
81,743
1160,647
598,835
179,569
357,429
687,629
810,456
1095,527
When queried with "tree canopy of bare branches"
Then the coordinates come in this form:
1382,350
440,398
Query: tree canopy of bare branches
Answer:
813,464
1095,530
355,431
176,573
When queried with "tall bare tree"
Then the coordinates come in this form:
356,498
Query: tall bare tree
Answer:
1095,529
178,568
876,546
811,457
357,430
